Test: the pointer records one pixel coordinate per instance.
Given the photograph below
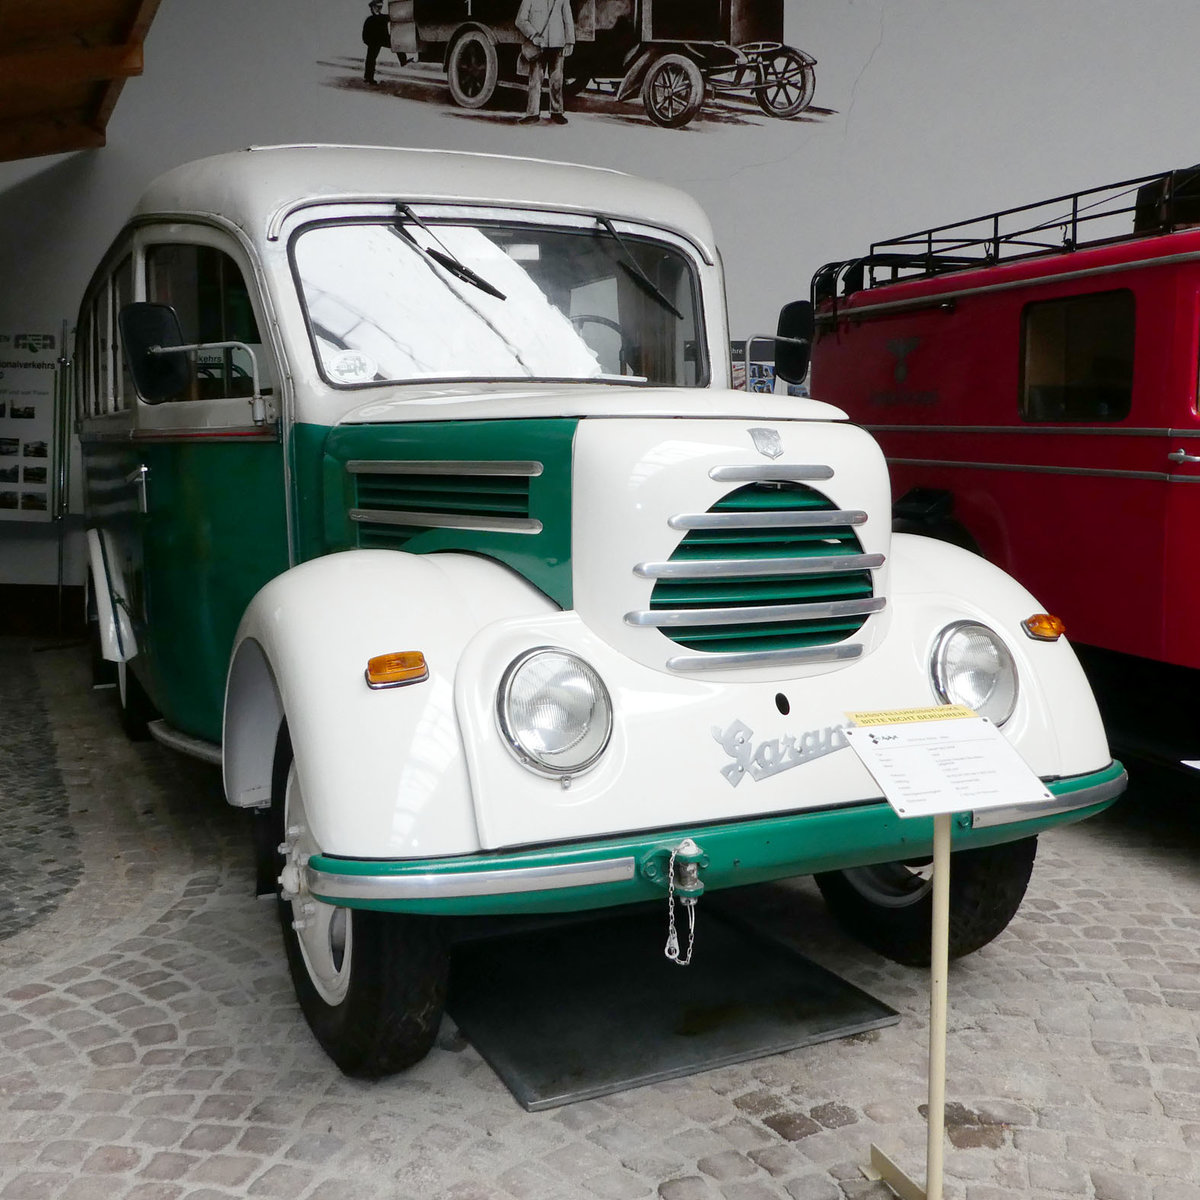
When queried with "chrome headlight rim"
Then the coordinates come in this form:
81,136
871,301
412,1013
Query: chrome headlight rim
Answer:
939,674
503,720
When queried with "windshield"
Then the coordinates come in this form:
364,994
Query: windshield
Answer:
417,297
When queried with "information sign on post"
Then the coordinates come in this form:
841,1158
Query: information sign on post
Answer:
29,364
934,762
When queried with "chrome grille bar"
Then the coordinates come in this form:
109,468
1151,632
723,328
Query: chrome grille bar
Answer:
768,520
670,618
777,472
737,568
428,520
765,658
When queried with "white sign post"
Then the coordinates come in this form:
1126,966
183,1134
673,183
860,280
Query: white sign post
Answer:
934,763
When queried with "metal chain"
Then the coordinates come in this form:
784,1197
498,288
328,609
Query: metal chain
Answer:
672,947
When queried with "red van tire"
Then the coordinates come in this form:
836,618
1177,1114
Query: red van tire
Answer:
889,906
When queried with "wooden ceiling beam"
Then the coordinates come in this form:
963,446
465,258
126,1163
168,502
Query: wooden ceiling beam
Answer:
32,139
45,69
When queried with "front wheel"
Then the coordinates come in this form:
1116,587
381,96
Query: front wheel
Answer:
889,906
472,69
789,82
673,91
371,985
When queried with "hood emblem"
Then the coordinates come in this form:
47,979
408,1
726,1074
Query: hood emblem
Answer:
767,442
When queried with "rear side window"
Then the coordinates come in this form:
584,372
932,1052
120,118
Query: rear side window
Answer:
1077,358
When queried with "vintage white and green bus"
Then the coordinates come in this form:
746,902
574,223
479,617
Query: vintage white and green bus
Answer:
418,498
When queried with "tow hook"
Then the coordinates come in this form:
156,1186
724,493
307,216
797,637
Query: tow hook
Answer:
682,879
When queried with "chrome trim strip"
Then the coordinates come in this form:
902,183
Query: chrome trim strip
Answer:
771,520
1084,798
208,752
738,568
368,466
673,618
503,881
447,521
1035,427
1099,472
788,472
765,658
934,299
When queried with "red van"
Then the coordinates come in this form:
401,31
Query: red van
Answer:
1032,377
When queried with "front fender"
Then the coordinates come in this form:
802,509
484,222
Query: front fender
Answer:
382,771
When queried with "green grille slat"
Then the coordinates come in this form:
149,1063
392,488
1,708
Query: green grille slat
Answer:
767,544
445,495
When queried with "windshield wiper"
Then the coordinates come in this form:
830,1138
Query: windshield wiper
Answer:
443,257
633,268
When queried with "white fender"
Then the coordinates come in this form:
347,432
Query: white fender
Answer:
1056,719
382,771
117,643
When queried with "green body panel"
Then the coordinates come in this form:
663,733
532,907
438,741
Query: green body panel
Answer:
326,492
214,532
737,854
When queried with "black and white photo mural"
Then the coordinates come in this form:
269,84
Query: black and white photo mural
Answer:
673,63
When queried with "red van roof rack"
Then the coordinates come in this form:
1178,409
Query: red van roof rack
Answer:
1095,216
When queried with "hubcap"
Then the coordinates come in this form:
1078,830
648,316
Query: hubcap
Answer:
892,885
324,932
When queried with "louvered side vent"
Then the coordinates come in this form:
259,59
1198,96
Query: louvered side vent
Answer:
394,501
773,572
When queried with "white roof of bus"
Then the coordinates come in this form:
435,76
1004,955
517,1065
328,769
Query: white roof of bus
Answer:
257,187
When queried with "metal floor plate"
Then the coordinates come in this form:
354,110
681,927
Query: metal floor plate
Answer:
572,1011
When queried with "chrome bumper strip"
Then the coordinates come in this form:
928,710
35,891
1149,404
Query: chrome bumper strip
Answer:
1083,798
447,885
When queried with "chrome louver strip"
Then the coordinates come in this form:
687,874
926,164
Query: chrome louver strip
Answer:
768,520
367,466
777,472
738,568
758,615
766,658
428,520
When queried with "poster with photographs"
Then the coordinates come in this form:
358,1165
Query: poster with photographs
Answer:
28,376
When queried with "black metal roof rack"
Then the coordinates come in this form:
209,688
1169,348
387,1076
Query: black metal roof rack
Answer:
1096,216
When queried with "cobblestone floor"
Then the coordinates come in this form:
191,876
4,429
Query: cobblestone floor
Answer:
150,1046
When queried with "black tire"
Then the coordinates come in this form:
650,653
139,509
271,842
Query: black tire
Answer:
136,709
889,907
379,1010
788,83
472,69
673,91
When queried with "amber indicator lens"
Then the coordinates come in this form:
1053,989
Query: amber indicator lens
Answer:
394,670
1044,627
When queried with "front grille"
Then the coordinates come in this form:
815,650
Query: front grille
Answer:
394,501
771,571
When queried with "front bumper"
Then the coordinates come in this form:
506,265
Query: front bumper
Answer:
626,870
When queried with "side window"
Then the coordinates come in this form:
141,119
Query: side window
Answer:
1077,358
102,347
122,294
206,288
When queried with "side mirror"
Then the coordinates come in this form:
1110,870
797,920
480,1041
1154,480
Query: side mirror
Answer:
793,340
153,345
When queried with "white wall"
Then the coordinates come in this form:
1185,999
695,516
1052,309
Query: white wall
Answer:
925,111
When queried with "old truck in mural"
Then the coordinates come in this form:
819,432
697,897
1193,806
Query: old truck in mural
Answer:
673,54
418,498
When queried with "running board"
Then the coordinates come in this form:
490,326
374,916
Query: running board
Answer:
209,752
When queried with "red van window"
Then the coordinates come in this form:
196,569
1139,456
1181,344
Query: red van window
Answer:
1077,358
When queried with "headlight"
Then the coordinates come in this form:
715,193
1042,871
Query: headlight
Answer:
972,666
554,711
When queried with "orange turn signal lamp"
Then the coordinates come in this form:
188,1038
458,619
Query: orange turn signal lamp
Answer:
1043,627
395,670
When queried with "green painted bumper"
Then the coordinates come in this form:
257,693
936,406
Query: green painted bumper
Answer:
625,870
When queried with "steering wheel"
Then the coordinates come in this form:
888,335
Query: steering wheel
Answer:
625,353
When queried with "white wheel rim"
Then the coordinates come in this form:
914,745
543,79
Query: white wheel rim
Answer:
324,932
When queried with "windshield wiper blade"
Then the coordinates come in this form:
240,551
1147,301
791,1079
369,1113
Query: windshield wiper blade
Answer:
635,272
443,257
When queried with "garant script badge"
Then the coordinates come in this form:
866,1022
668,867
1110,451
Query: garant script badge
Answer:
767,442
772,757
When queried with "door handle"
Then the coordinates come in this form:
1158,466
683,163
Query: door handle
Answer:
138,476
1180,457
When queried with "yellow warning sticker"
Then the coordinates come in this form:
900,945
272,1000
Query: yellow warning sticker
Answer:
912,716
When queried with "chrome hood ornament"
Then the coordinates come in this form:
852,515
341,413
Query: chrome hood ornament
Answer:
767,442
